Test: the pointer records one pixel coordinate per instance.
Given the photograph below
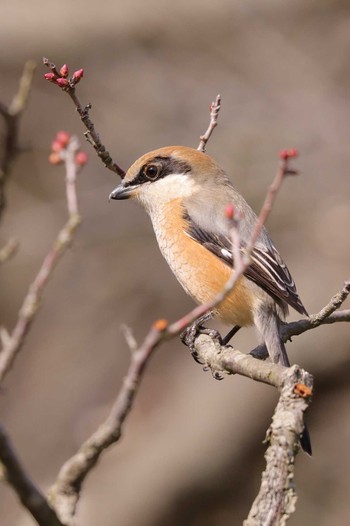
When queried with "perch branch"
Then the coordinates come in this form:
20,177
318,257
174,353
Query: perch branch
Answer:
30,496
277,495
91,135
64,239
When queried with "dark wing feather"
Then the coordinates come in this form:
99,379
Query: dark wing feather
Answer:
267,269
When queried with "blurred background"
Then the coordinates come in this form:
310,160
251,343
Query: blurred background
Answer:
191,452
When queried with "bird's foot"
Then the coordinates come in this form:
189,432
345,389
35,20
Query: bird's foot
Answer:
189,336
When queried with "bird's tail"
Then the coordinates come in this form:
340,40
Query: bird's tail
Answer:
268,324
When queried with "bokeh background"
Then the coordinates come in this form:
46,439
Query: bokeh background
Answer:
192,449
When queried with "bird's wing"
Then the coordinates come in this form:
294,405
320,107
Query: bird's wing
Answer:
267,269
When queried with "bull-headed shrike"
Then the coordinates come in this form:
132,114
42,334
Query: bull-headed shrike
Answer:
185,192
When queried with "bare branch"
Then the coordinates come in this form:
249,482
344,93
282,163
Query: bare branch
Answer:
30,496
214,114
9,250
11,115
63,241
277,496
129,337
69,86
66,491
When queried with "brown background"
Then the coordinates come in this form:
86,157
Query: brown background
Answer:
192,449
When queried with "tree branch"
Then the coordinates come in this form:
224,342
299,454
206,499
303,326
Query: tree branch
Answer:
30,496
65,493
69,86
11,115
277,496
64,239
8,250
214,114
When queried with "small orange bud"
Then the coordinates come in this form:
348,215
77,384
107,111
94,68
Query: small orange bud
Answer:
160,325
62,83
230,211
284,155
64,71
302,390
50,76
55,158
77,75
81,158
63,138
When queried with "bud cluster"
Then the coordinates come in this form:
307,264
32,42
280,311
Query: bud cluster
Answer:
288,154
62,79
59,147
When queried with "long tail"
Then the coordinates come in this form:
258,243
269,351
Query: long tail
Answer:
268,322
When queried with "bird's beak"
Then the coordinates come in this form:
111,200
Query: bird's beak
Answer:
123,192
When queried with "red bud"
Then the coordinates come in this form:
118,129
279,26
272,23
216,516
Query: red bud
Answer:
77,75
62,82
64,70
81,158
230,211
50,77
56,146
287,154
293,152
63,138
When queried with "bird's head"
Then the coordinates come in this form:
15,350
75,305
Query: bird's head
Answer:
168,173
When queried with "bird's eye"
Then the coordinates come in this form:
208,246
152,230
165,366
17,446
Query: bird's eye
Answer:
151,171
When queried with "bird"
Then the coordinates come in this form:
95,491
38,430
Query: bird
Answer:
185,192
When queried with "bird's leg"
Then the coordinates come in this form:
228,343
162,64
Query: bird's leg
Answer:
230,335
189,335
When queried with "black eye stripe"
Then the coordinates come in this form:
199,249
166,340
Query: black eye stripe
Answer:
165,165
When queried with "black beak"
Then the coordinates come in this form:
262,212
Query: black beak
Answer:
122,192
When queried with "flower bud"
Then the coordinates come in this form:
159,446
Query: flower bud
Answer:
55,158
63,138
56,146
50,77
78,75
81,158
62,83
64,71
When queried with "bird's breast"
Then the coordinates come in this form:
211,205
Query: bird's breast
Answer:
200,272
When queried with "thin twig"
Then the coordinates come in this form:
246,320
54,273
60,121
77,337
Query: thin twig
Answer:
66,491
11,115
63,241
91,134
214,113
30,496
8,250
